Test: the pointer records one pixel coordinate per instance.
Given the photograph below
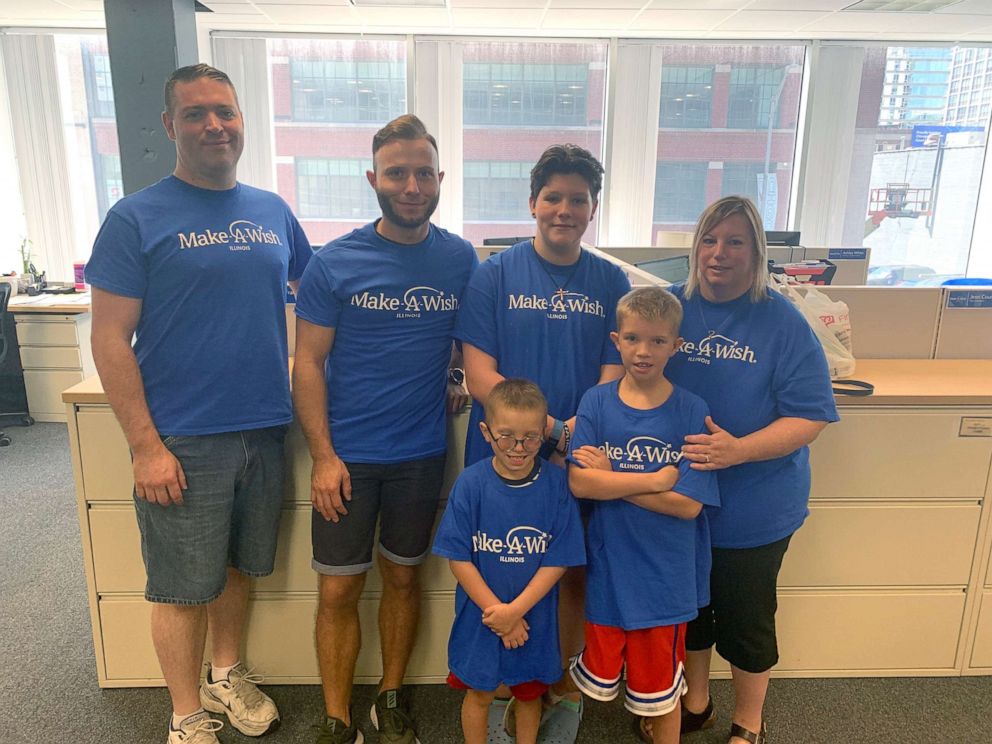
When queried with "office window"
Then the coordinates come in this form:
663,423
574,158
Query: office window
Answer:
335,189
89,130
347,91
497,191
754,96
680,192
919,194
686,96
525,94
741,123
329,97
519,98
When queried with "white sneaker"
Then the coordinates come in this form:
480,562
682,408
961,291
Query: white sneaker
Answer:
249,710
198,728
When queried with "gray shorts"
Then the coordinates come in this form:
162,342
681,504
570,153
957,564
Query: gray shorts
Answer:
229,515
402,496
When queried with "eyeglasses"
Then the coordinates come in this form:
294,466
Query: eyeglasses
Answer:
507,442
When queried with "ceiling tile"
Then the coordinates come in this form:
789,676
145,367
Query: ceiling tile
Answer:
769,20
680,20
826,5
588,19
497,4
978,7
911,23
297,13
698,4
496,18
405,17
599,4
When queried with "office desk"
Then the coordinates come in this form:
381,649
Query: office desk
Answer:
890,575
54,336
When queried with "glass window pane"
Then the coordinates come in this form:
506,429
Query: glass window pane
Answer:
728,123
519,98
89,131
329,97
917,167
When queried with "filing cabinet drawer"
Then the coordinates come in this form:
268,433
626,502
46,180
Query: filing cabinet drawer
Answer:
57,331
130,656
104,455
854,458
981,654
50,357
883,545
44,389
119,568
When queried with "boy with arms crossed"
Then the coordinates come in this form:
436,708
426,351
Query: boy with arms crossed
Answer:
648,553
510,530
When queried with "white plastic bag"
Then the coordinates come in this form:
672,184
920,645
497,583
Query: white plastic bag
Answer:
830,321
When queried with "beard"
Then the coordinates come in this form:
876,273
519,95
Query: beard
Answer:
390,214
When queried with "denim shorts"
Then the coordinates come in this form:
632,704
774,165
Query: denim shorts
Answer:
229,515
402,496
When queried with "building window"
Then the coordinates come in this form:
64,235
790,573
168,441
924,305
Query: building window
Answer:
754,92
347,91
335,189
527,94
99,88
745,179
497,191
680,191
686,96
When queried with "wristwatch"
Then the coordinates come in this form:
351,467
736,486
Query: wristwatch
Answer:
456,376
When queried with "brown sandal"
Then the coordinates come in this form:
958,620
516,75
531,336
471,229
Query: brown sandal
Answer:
754,738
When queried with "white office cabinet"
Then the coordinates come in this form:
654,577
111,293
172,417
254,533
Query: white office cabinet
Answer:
55,355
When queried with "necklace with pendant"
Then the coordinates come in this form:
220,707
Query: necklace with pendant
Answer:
562,286
711,332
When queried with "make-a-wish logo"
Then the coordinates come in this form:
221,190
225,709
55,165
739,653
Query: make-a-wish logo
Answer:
641,453
716,346
240,235
520,542
411,304
558,305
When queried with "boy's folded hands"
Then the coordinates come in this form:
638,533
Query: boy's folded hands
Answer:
506,621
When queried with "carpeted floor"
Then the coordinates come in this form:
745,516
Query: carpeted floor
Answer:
48,690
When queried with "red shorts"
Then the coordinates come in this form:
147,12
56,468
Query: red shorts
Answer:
524,691
654,658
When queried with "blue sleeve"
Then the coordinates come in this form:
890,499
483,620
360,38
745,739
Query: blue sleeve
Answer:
317,300
801,381
621,286
117,264
454,535
698,485
586,424
476,322
567,546
301,251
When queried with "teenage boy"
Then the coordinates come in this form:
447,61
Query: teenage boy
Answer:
510,529
648,550
195,268
378,306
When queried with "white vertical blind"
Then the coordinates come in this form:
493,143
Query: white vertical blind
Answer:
36,118
11,207
246,63
627,206
832,110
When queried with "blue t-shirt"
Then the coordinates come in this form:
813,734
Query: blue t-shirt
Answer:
645,569
753,363
508,532
514,312
393,309
210,268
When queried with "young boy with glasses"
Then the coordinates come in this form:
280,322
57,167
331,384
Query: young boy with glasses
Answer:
510,529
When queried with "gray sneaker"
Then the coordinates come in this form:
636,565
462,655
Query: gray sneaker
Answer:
391,717
198,728
333,731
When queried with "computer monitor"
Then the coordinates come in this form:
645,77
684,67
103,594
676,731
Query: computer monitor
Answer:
674,270
776,237
505,241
